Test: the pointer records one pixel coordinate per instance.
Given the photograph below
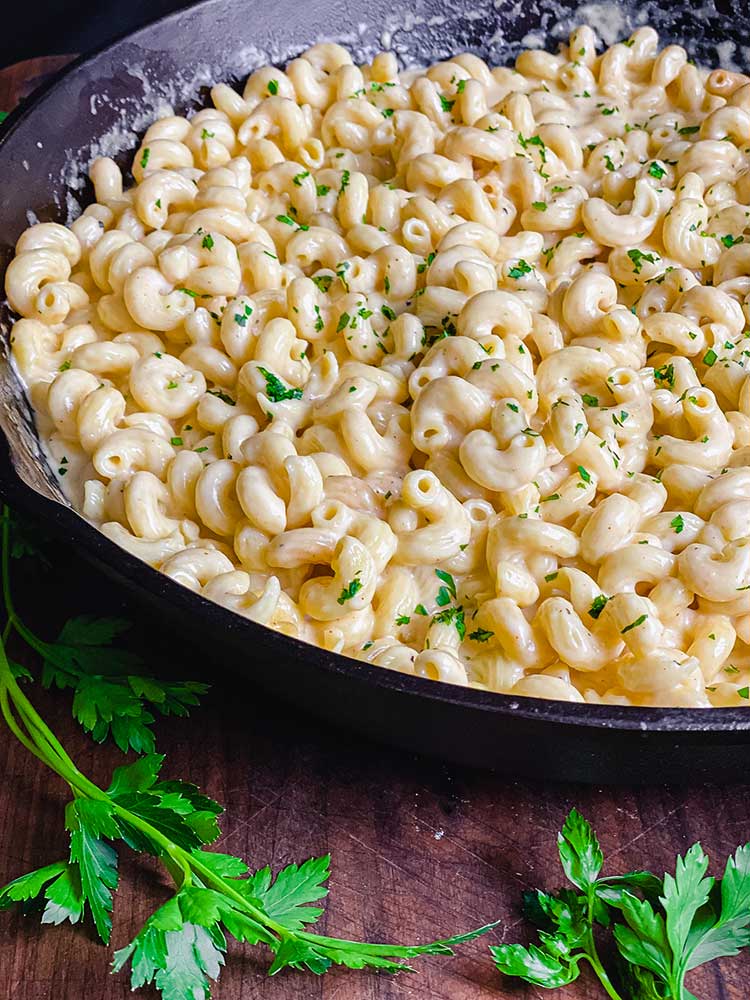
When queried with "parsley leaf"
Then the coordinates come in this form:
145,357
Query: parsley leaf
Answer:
88,821
580,854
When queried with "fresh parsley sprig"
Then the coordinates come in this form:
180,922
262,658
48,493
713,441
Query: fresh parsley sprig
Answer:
662,927
181,948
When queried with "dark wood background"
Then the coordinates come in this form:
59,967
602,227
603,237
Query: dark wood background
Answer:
420,849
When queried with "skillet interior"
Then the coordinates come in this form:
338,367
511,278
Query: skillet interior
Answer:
98,107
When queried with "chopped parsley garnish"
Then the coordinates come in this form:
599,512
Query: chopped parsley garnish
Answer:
590,400
452,616
64,366
730,241
446,104
273,87
171,384
298,178
639,621
322,190
481,635
388,312
276,391
709,358
345,178
443,597
347,593
207,242
403,620
688,129
597,606
319,324
222,396
343,322
665,374
656,170
144,158
519,269
426,263
242,318
584,474
638,256
323,281
677,523
537,141
421,610
341,270
176,441
447,580
540,206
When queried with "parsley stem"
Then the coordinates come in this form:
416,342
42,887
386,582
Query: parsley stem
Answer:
13,725
45,739
592,955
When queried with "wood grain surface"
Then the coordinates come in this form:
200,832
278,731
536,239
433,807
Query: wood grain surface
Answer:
420,849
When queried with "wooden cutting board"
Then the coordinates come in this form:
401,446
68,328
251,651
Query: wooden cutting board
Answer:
420,849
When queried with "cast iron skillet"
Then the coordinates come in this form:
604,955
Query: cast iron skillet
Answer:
98,106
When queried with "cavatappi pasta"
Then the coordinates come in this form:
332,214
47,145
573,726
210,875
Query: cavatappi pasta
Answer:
443,369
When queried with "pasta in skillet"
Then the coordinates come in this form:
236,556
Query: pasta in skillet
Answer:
443,369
